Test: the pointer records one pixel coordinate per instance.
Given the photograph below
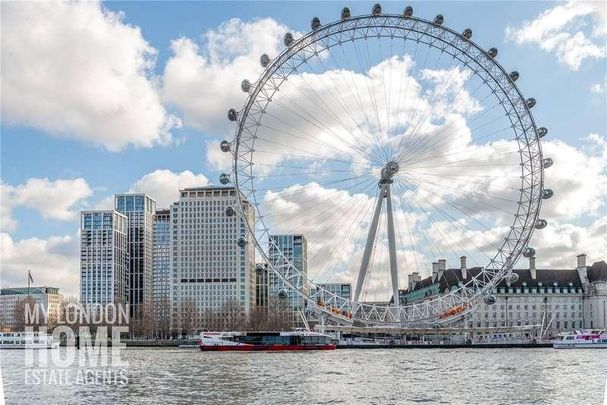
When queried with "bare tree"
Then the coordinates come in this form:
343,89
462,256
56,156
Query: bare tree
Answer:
190,317
280,314
69,313
147,326
232,316
162,319
28,313
258,319
212,320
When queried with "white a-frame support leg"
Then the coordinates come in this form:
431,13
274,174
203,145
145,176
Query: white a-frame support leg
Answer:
392,247
364,265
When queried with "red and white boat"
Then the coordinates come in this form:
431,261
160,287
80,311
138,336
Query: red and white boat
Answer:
582,339
270,341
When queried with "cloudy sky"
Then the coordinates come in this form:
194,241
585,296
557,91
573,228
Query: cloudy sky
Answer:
100,98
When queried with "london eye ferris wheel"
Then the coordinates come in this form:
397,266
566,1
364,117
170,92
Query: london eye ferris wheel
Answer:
389,141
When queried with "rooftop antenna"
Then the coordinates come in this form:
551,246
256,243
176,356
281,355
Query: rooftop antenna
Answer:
29,281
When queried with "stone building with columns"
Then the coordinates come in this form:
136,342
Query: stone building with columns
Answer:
555,300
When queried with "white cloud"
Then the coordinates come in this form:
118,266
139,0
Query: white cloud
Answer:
560,30
598,88
7,222
164,185
75,69
204,81
53,199
53,261
559,244
216,158
578,178
598,146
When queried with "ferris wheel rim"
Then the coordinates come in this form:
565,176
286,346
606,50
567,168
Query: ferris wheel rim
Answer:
536,185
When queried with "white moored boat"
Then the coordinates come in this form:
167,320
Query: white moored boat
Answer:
590,339
27,340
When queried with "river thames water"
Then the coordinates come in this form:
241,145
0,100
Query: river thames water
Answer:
380,376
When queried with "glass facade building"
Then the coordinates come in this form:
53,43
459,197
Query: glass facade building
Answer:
103,257
140,210
295,250
343,290
261,285
162,267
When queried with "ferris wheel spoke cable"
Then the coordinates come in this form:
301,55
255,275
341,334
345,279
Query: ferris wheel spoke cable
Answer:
472,117
430,144
332,258
410,231
376,140
327,110
278,165
305,136
389,99
452,219
473,214
409,75
293,155
404,210
431,246
328,194
308,154
419,123
362,109
283,223
458,191
377,133
424,204
387,109
462,151
437,141
446,87
415,107
304,173
338,98
373,99
297,111
421,160
332,182
319,214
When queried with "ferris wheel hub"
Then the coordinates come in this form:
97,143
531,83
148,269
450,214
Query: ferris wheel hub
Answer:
389,170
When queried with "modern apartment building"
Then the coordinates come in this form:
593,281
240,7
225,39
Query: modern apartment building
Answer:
47,298
103,257
140,210
285,249
212,253
161,283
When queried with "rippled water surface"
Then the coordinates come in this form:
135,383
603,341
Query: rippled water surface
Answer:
484,376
